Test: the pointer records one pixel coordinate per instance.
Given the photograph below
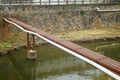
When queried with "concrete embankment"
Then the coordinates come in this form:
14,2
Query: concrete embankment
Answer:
86,35
71,22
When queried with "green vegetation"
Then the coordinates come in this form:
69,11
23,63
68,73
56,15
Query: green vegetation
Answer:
12,40
59,13
5,45
102,77
81,35
82,12
91,34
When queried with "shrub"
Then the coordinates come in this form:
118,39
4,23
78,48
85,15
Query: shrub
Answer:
82,12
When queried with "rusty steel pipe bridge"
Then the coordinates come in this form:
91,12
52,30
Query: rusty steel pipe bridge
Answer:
105,64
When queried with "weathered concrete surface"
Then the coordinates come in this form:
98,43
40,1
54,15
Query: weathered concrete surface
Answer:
64,17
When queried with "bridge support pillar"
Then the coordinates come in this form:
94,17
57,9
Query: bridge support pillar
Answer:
31,53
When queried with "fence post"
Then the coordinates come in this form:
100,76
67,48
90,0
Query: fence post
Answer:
49,2
40,2
90,1
10,2
20,2
58,2
97,1
74,1
30,2
82,1
66,2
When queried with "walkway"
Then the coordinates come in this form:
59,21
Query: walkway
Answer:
106,64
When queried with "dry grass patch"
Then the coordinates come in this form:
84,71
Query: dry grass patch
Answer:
88,34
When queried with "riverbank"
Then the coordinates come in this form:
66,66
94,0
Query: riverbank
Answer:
91,34
15,42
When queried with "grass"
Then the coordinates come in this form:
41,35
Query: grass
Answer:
12,40
89,34
82,35
5,45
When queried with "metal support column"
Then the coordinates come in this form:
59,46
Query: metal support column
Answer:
31,53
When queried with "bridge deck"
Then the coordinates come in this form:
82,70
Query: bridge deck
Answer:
96,57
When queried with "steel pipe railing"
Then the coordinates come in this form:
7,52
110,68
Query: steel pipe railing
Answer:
54,2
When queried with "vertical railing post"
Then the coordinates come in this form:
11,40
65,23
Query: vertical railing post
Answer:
10,2
90,1
97,1
82,1
20,2
104,1
66,2
31,53
74,1
58,2
30,2
40,2
49,2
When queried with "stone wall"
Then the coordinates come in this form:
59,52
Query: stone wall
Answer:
63,17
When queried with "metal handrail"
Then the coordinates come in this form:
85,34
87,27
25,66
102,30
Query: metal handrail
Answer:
105,10
50,2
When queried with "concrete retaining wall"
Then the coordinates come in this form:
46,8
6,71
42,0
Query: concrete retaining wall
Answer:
63,17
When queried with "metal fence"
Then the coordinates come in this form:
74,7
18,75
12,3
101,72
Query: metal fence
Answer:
55,2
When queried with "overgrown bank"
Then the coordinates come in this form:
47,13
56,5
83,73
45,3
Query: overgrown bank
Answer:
16,42
92,34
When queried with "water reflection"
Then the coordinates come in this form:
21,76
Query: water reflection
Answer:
51,64
107,48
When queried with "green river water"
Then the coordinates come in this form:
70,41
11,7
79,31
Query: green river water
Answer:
55,64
